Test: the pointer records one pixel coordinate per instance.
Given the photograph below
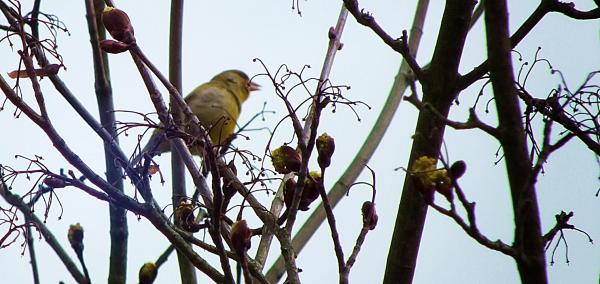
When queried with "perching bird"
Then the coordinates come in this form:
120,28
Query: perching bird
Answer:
217,104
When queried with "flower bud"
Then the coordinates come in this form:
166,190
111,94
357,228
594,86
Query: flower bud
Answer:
240,237
286,159
325,148
369,215
422,165
147,273
75,236
429,179
113,46
119,26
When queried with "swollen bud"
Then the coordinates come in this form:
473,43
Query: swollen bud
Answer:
240,237
312,187
369,215
148,273
309,194
325,149
286,159
119,26
113,46
75,236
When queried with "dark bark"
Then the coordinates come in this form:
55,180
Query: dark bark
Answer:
528,236
439,90
114,172
187,271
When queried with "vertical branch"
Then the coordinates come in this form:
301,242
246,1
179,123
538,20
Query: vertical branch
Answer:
528,235
186,269
31,248
439,90
118,218
35,11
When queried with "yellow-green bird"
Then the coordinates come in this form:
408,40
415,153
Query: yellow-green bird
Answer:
217,104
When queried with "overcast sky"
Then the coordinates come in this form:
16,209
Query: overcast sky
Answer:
221,35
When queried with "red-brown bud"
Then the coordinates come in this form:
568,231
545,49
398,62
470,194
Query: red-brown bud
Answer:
119,26
369,215
54,182
309,194
312,186
325,148
240,237
286,159
148,273
113,46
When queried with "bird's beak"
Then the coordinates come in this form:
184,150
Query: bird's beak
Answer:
253,86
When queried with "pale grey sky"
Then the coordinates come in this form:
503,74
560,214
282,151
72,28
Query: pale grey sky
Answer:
221,35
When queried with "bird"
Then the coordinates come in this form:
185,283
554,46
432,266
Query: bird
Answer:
217,104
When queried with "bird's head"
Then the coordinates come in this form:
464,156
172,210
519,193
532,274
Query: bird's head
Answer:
238,82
